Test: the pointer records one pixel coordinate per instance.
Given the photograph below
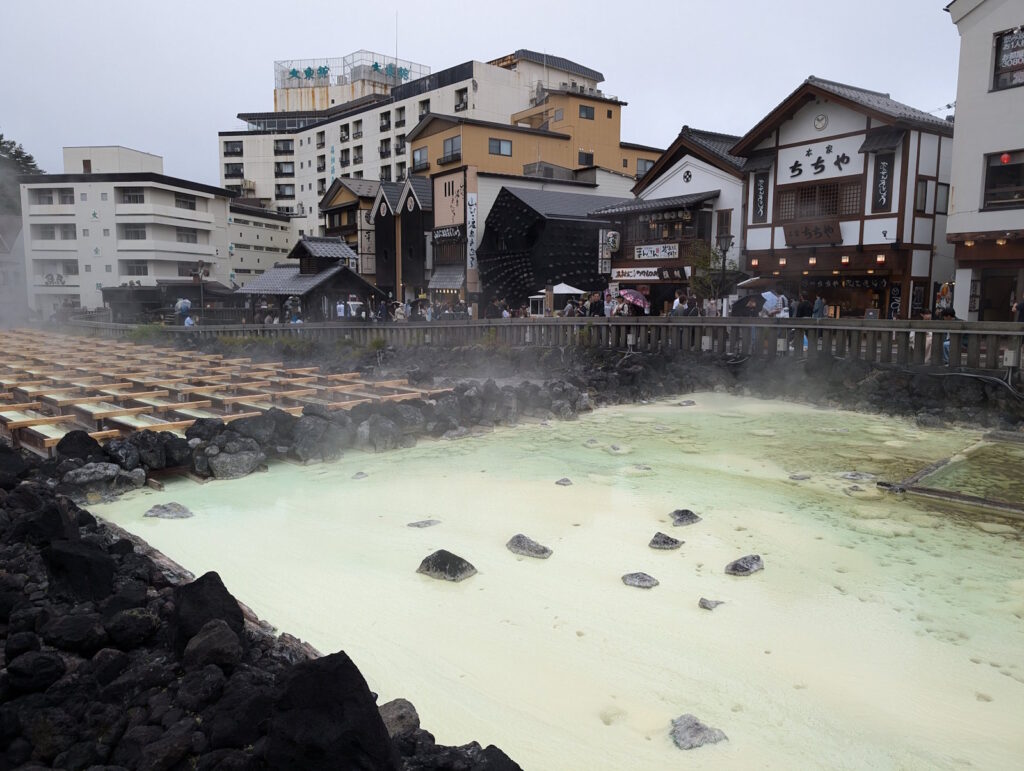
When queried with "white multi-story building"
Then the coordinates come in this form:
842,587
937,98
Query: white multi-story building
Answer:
257,238
113,219
986,202
287,160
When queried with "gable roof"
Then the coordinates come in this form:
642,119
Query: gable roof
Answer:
708,146
287,280
360,188
389,193
420,189
874,103
458,120
328,247
557,204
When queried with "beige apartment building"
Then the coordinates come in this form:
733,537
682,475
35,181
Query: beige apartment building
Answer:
113,218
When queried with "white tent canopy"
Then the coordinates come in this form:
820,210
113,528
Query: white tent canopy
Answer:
566,289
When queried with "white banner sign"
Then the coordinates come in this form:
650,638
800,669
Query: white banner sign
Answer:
657,252
820,160
634,274
471,231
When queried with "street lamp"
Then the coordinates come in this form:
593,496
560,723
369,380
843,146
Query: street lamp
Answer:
724,243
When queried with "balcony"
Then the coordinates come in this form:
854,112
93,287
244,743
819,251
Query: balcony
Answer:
285,196
51,208
357,134
424,114
418,167
400,177
357,160
400,123
450,158
385,126
343,138
385,152
174,249
320,144
400,150
284,150
55,245
344,162
162,214
234,174
321,168
282,173
461,106
232,152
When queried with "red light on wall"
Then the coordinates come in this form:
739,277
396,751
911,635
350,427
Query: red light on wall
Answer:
1004,158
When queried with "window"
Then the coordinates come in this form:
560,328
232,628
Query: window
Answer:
400,144
184,201
321,163
133,195
941,198
47,232
108,269
499,147
400,172
86,166
106,232
609,113
1004,180
103,196
134,232
385,148
1009,67
587,111
343,132
66,195
724,223
399,117
643,165
424,108
385,120
233,148
357,154
321,139
419,159
233,171
585,159
88,268
281,147
83,197
357,175
284,191
68,233
385,173
345,158
357,129
85,232
625,163
452,149
816,201
461,99
559,115
185,269
71,268
186,235
45,198
921,196
135,268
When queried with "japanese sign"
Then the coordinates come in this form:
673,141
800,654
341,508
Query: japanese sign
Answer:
760,198
449,233
634,274
657,252
471,225
391,71
881,190
309,73
813,233
875,283
820,160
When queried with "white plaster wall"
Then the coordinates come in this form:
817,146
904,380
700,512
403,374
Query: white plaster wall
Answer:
801,128
112,159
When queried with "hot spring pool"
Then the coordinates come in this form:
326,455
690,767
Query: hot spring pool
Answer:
883,633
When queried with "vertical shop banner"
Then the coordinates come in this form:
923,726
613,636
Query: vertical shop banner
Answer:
760,198
881,193
471,231
895,299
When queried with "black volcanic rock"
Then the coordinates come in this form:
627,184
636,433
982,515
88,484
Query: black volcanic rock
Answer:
744,566
663,541
527,547
444,565
681,517
640,580
35,670
82,569
199,602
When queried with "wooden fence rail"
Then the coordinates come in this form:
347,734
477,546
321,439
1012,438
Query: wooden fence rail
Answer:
976,345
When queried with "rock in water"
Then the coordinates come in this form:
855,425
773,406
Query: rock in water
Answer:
686,403
744,566
682,517
709,604
663,541
446,566
520,544
688,733
564,482
639,580
360,475
400,717
425,523
169,511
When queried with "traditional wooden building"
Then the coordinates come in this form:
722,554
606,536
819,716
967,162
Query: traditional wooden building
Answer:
315,281
535,238
846,197
347,209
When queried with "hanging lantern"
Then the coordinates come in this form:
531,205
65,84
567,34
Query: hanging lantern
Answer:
1004,158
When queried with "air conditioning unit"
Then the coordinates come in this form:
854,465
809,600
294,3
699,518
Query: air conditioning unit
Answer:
1011,358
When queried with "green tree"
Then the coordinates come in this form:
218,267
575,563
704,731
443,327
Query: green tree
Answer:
13,162
708,280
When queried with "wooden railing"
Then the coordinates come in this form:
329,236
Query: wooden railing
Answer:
977,345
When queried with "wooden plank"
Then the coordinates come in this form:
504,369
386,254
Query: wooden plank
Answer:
22,406
28,420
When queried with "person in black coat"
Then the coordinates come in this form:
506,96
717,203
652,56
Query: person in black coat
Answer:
596,305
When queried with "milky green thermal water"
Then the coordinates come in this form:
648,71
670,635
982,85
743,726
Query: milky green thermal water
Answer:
883,633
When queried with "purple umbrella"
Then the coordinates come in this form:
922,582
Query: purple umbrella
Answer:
634,297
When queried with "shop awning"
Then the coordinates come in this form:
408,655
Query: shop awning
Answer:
760,162
447,277
882,139
758,282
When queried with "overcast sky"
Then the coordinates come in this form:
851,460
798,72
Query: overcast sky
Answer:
165,77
